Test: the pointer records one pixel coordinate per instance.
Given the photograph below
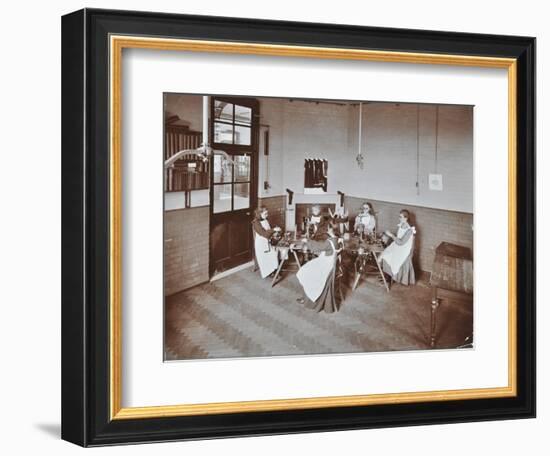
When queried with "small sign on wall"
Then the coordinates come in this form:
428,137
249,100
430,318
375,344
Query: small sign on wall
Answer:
435,182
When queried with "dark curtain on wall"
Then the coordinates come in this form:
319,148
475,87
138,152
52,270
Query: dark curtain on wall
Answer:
315,173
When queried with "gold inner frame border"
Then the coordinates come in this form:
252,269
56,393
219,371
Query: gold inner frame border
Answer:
116,46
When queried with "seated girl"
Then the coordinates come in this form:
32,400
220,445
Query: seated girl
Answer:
266,255
340,216
365,221
316,276
314,221
397,257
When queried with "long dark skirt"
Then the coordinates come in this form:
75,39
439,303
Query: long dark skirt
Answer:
329,299
405,275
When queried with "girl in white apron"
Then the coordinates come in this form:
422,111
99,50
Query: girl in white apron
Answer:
314,221
365,219
266,254
316,276
397,257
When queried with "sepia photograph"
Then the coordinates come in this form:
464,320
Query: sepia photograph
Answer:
316,226
276,222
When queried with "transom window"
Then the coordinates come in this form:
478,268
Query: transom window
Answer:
232,123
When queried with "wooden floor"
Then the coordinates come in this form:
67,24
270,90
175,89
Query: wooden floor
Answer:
242,315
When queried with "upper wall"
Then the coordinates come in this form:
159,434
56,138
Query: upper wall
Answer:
395,151
399,149
187,107
300,130
398,144
270,167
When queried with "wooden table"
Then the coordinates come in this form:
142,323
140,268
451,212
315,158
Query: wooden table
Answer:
452,273
284,252
362,250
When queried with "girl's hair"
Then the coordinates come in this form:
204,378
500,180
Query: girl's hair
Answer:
326,226
406,213
258,212
371,210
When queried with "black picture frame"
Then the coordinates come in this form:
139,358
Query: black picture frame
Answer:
85,228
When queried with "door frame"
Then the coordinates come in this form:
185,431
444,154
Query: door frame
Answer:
233,149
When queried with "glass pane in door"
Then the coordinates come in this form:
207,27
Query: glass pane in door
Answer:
222,198
223,111
223,170
242,135
241,196
242,168
243,115
223,133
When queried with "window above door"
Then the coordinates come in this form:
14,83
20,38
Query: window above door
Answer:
232,123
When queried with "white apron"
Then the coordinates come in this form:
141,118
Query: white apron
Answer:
315,219
395,255
314,274
266,256
368,221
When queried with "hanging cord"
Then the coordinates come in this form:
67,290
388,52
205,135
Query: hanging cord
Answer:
436,136
418,149
360,126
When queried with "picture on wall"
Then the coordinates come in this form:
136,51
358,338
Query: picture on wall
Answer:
274,221
316,226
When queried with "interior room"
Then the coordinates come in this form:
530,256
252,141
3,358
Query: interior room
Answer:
226,157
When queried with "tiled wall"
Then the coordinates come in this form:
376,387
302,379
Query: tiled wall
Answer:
433,226
276,207
186,248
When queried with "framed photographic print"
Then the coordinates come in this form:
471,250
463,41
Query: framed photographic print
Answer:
279,227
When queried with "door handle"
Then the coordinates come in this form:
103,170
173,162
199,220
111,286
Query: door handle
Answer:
248,213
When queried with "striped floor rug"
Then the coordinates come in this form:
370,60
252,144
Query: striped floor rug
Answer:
242,315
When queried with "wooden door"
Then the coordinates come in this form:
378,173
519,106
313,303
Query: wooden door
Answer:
234,188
